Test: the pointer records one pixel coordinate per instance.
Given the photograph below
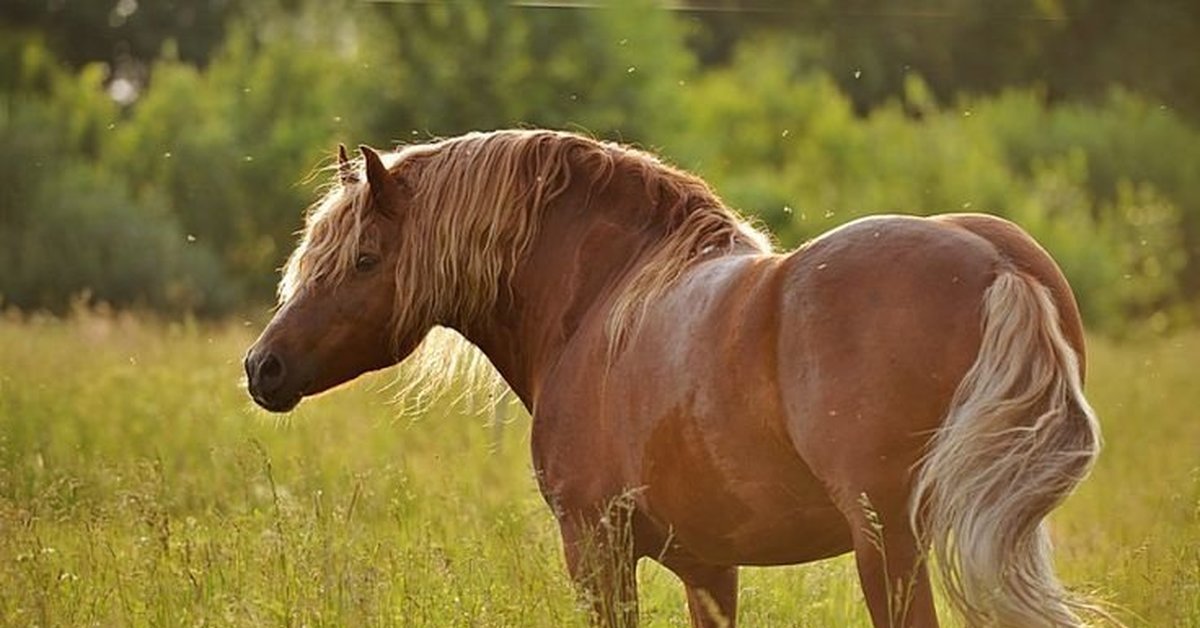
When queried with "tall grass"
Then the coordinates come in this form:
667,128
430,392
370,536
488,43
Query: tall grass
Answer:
139,487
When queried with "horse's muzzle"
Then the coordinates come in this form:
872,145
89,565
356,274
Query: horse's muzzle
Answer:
267,381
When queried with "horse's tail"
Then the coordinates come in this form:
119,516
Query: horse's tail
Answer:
1018,437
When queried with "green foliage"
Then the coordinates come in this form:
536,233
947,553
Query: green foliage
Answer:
226,152
68,226
139,487
783,143
124,33
88,238
1075,49
1133,150
448,68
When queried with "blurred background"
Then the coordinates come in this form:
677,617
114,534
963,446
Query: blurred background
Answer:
157,155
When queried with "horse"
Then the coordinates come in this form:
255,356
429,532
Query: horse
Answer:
900,387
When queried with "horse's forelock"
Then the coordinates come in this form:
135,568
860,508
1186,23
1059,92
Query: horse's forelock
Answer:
334,224
329,242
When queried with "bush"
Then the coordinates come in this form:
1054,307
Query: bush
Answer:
89,238
220,153
1105,189
69,227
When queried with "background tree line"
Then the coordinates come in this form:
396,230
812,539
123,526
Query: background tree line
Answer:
158,154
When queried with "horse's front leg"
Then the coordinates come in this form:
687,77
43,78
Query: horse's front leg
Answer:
601,560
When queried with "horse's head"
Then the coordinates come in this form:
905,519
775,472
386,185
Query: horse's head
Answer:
337,299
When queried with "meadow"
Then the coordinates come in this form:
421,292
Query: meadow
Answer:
140,487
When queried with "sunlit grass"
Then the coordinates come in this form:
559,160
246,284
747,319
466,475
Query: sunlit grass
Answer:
139,486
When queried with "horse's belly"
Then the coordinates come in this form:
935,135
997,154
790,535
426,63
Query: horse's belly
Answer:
786,537
746,499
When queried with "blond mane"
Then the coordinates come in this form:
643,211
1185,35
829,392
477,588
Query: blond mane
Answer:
479,201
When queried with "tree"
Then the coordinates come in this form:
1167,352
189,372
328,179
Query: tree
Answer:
446,68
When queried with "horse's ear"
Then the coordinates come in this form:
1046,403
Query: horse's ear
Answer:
384,188
346,172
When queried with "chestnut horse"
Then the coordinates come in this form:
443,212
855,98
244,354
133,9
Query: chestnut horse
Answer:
897,385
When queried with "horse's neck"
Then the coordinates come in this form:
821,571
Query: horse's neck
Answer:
585,246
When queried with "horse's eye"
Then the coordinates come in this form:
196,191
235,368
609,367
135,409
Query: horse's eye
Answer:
365,262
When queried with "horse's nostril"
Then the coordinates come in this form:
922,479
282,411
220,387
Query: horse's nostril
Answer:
271,368
266,372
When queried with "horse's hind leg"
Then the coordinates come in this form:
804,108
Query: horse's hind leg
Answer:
891,566
712,598
711,591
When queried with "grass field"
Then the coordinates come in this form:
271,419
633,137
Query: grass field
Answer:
140,487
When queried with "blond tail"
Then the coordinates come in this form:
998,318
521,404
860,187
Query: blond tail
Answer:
1018,438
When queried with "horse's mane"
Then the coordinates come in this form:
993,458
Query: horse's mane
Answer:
479,200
